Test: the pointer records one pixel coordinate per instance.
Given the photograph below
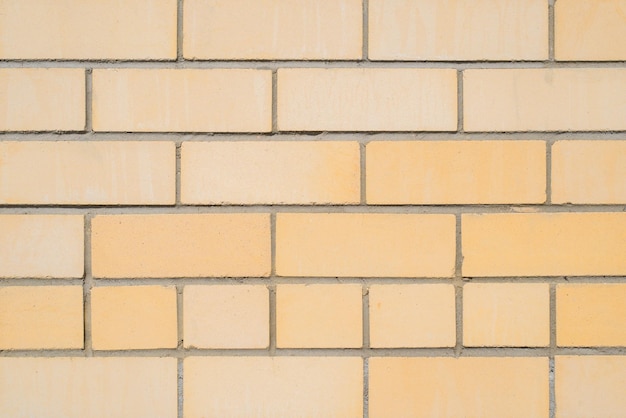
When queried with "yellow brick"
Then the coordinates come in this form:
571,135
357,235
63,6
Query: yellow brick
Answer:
456,172
270,172
98,173
592,172
273,29
88,29
590,386
407,315
591,315
443,30
81,387
463,387
544,244
276,387
41,246
41,317
367,245
185,100
195,245
563,99
372,99
133,317
511,314
42,99
226,316
319,316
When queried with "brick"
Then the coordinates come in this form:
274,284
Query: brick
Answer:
563,99
589,172
506,315
79,173
41,317
89,29
365,245
277,387
184,100
226,316
29,246
458,387
442,30
246,173
42,99
407,315
591,315
544,244
181,245
455,172
319,316
79,387
371,99
273,29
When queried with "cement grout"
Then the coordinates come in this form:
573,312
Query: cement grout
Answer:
179,31
89,100
553,348
551,30
365,31
549,172
87,286
274,102
458,287
459,109
363,173
178,174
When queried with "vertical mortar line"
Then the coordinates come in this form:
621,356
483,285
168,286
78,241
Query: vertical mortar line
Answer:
180,336
366,345
363,184
274,101
459,100
551,30
549,172
552,349
272,287
88,99
87,285
179,30
180,381
366,387
458,289
365,30
178,152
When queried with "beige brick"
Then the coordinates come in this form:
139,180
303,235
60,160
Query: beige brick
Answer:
189,245
590,386
88,29
41,317
273,29
319,316
370,99
458,387
443,30
270,172
592,172
366,245
185,100
77,173
276,387
544,244
511,314
42,99
455,172
563,99
226,316
407,315
30,246
80,387
591,315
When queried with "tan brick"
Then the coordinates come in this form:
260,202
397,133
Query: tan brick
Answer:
592,172
41,317
99,173
370,99
226,316
458,387
511,314
270,172
30,246
455,172
194,245
81,387
319,316
185,100
367,245
407,315
443,30
544,244
42,99
277,387
88,29
563,99
273,29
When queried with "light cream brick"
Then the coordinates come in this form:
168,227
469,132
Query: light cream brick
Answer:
304,172
370,99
